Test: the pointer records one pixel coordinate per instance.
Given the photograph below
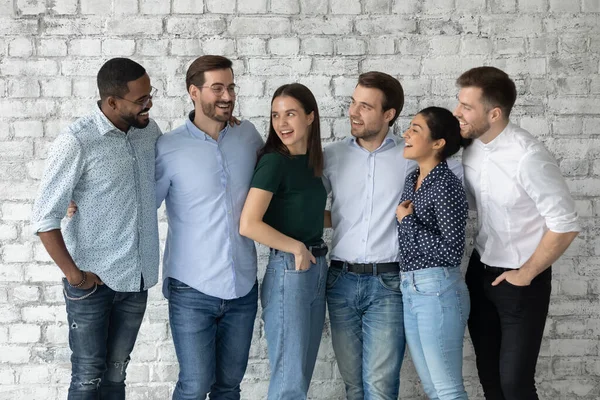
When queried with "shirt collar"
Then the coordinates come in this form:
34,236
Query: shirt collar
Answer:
438,171
497,139
198,133
103,123
390,140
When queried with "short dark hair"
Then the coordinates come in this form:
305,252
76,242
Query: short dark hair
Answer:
308,102
497,89
443,125
114,75
195,73
393,94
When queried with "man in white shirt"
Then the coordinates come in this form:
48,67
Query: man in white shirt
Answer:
526,220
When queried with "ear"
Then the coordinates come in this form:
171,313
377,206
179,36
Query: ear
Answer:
496,114
111,102
389,115
310,117
439,144
194,92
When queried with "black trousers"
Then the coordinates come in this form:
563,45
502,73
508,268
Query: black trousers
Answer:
506,325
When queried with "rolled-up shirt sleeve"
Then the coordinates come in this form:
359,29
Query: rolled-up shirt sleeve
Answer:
541,178
64,167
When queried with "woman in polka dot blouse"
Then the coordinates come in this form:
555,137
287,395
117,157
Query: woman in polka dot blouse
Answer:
431,229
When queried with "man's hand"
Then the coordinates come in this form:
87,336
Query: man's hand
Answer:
91,279
72,209
405,208
234,121
515,278
303,259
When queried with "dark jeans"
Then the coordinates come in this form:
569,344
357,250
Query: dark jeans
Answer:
506,324
212,340
103,327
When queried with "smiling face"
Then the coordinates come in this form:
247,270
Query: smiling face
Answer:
291,123
215,107
134,107
367,118
418,144
472,113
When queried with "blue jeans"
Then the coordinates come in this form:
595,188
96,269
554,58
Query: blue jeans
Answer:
436,309
212,340
103,327
294,313
367,331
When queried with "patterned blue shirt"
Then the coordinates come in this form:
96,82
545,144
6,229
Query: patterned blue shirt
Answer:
205,184
110,175
434,235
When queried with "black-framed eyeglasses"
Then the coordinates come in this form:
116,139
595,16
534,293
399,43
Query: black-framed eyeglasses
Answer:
218,89
144,102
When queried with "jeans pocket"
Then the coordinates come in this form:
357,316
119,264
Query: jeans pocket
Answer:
390,281
175,284
429,286
75,294
333,275
290,266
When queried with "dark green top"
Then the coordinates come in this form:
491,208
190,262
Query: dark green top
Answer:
298,202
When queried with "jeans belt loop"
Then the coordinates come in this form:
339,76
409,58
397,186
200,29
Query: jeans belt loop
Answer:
374,269
345,267
446,272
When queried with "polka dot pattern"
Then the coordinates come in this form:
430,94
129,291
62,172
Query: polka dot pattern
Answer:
434,235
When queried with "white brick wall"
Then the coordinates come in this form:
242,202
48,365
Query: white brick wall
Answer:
50,52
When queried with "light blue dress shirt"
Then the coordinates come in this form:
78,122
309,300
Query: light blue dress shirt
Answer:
365,190
110,175
205,183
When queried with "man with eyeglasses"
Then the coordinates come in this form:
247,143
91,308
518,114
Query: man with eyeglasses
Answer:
203,172
108,250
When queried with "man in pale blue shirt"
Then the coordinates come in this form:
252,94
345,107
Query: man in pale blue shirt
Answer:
108,250
203,172
365,175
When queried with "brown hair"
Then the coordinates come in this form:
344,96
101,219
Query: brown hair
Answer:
393,94
195,73
497,89
307,100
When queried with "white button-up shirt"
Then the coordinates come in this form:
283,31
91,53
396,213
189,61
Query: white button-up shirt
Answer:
519,193
366,188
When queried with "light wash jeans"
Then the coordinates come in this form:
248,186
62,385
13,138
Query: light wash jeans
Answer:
436,309
294,313
367,331
212,340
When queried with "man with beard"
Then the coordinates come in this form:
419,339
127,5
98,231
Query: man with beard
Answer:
203,171
526,220
108,251
366,174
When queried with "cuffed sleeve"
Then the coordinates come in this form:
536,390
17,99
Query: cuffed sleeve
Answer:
541,178
63,170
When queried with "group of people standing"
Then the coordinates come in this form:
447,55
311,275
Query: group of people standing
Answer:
398,212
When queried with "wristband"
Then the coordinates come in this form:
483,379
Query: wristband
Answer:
80,284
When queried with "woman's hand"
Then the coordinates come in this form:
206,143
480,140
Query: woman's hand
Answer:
303,258
72,209
405,208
